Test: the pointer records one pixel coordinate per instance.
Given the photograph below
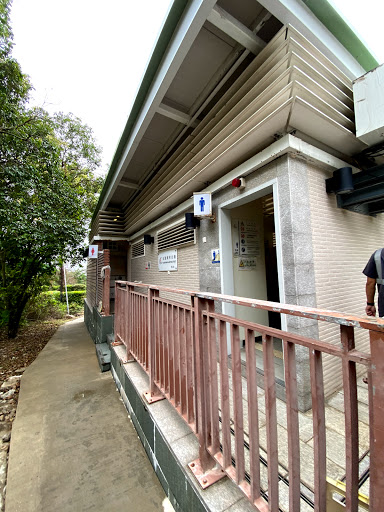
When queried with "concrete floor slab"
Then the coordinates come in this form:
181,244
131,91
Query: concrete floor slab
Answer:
73,446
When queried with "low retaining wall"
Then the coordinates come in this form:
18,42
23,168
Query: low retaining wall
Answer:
98,326
170,445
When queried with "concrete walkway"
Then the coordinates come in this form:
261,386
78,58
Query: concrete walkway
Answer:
73,447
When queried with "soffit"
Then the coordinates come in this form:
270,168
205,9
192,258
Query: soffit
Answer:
211,55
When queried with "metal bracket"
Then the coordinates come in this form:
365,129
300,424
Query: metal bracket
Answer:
126,361
206,478
151,399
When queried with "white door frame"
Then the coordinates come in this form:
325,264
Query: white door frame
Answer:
226,248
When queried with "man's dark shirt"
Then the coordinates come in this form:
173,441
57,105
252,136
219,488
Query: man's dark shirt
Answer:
370,271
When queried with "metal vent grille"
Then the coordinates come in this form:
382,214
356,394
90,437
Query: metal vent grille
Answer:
175,236
138,249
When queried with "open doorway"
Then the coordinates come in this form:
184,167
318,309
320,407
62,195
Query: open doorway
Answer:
254,263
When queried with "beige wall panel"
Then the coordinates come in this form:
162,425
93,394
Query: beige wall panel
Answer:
343,241
91,282
186,276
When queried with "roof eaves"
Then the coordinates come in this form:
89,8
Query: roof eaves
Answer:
340,29
165,37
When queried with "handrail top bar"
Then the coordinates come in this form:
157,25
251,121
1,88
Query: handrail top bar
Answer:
336,317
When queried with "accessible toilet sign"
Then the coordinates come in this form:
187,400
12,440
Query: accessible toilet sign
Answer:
202,204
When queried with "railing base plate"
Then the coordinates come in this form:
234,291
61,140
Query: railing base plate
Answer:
205,478
152,398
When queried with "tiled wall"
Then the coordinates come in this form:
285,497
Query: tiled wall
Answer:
186,276
343,241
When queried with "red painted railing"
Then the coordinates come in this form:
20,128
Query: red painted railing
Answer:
184,349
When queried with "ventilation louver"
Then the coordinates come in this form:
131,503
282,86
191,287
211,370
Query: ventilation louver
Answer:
138,249
175,236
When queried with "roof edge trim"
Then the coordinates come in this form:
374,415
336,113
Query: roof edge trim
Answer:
340,29
165,37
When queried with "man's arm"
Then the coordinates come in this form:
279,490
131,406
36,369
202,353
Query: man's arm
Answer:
370,289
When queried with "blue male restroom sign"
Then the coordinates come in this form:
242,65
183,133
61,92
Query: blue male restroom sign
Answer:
202,204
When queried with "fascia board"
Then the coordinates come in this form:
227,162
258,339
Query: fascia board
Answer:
296,13
167,64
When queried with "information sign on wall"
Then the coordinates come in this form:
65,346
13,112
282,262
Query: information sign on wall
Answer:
246,263
215,253
202,204
93,251
167,260
249,239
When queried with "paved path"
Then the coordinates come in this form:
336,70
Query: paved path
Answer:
73,447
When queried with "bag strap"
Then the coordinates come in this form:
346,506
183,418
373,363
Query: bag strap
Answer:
379,268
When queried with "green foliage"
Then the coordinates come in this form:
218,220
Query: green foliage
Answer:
70,287
47,305
44,306
6,35
73,296
79,158
47,187
80,276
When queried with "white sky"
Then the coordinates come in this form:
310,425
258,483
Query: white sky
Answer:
366,18
88,56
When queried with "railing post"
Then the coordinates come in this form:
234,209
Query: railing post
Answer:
106,283
204,467
106,291
153,395
128,318
117,318
376,420
351,420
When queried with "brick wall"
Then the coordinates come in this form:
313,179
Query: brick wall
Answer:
342,243
186,276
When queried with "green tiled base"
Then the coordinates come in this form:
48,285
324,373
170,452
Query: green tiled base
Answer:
98,326
171,474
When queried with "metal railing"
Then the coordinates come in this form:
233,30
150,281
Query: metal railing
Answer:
103,270
184,349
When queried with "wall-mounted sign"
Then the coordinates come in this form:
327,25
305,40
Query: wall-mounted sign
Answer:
246,238
93,251
246,263
215,255
167,260
202,204
236,238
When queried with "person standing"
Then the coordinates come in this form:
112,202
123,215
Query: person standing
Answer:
374,272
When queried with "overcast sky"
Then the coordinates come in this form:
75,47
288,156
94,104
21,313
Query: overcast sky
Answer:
88,56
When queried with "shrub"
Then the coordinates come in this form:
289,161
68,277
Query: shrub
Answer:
48,305
70,288
76,287
44,306
76,297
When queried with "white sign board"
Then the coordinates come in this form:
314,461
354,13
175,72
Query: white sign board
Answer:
215,255
249,238
202,204
247,263
167,260
93,251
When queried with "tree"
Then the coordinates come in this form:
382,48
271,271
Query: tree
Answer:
79,157
47,186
